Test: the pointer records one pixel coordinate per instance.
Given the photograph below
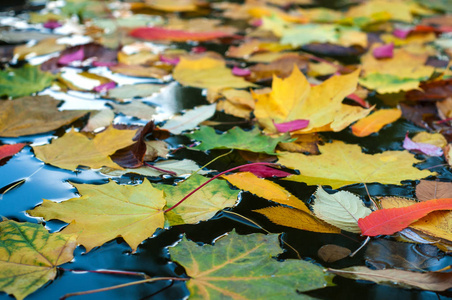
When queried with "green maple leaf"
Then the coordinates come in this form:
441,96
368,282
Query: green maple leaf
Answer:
29,256
24,81
236,138
242,267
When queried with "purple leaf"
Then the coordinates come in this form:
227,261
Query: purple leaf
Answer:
105,87
428,149
52,24
74,56
104,63
291,125
401,33
385,51
171,61
262,171
240,72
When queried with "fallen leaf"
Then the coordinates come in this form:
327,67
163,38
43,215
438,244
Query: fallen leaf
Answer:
295,218
425,148
331,253
384,51
159,34
293,99
10,150
262,171
75,149
236,138
291,125
376,121
242,267
342,164
139,71
29,256
303,143
40,112
42,47
203,204
172,6
281,67
426,190
342,209
100,119
24,81
437,224
265,189
388,83
207,72
436,139
190,119
390,220
399,11
105,212
431,91
431,281
130,91
136,109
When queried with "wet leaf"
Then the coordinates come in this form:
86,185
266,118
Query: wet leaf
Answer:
41,113
432,281
242,267
342,209
75,149
101,119
427,190
352,167
159,34
437,224
135,109
10,150
105,212
390,220
293,99
190,119
30,255
24,81
265,189
130,91
331,253
431,90
425,148
203,204
236,138
207,72
374,122
42,47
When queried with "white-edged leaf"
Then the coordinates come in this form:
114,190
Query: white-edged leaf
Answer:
190,119
342,209
102,118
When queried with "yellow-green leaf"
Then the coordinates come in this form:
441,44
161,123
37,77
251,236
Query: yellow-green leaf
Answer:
29,256
105,212
341,164
75,149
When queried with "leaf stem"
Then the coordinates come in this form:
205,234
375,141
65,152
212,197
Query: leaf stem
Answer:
112,272
216,176
121,286
160,170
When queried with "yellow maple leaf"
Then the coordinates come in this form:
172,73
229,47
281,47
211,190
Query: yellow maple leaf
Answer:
74,149
293,98
105,212
398,10
207,72
341,164
436,224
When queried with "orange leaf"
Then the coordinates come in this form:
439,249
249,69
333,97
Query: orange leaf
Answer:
391,220
375,121
158,33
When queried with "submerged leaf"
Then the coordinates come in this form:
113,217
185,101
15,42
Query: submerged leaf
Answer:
105,212
236,138
242,267
29,256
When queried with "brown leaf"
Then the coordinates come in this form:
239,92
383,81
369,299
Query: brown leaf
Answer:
282,67
431,91
331,253
139,71
427,190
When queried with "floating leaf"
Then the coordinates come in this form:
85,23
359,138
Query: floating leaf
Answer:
10,150
265,189
437,224
24,81
203,204
190,119
427,190
105,212
293,99
75,149
425,148
236,138
100,119
242,267
29,256
387,83
159,34
130,91
207,72
135,109
40,112
431,281
374,122
384,51
342,209
391,220
341,164
331,253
